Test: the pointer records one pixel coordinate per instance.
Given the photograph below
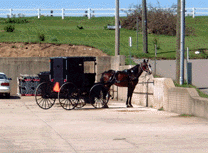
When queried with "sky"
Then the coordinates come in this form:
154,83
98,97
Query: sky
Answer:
85,4
49,4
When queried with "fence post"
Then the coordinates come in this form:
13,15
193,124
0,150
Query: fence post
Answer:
155,58
62,13
147,100
193,12
10,13
38,13
89,13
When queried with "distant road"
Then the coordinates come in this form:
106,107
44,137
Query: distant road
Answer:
167,68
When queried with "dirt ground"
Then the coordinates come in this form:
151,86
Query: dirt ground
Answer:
46,50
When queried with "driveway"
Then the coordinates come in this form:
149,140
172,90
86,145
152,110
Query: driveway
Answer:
27,128
167,68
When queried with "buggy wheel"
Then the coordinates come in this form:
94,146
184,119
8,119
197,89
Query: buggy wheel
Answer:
42,96
68,96
99,96
81,103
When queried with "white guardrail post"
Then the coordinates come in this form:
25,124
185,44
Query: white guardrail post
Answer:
38,13
89,13
193,12
62,13
10,13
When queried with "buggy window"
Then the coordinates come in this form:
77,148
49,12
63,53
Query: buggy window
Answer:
89,67
2,76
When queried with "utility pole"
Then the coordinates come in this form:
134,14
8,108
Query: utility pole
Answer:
137,30
117,30
144,26
182,41
178,41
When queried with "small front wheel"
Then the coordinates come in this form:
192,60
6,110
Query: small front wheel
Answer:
99,96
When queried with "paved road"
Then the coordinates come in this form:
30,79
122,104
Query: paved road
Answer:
27,128
167,68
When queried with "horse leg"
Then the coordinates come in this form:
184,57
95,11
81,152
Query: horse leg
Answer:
127,103
130,93
128,97
106,105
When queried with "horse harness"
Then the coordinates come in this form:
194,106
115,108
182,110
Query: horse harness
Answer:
113,78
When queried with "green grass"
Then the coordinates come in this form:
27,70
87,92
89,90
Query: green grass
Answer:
186,115
65,31
185,85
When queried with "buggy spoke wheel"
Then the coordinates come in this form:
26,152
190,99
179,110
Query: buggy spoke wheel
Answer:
68,97
42,96
66,104
81,103
99,96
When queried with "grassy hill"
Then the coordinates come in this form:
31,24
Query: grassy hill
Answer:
93,34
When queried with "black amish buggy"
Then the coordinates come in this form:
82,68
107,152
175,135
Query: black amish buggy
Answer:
68,82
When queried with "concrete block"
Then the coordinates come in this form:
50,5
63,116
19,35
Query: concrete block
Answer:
117,61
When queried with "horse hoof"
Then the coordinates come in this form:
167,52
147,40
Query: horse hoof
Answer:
105,106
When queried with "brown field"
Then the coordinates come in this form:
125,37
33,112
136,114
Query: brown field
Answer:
46,50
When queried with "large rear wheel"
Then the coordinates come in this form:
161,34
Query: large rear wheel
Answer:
99,96
68,96
43,96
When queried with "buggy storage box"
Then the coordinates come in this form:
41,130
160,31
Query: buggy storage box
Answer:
44,76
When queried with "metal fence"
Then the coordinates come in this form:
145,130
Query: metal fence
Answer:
90,12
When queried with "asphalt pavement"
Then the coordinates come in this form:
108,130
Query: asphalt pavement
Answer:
167,68
27,128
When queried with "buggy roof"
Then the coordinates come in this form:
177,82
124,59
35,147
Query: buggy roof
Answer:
85,58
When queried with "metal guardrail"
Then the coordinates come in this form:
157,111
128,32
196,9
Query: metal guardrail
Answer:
90,12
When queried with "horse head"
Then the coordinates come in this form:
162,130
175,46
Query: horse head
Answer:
146,67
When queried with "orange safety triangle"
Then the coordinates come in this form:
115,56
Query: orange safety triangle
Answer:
56,87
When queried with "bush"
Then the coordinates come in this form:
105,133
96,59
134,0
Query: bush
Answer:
159,22
54,38
16,20
80,27
41,37
9,28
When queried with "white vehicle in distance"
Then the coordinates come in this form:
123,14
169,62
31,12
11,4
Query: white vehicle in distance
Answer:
4,85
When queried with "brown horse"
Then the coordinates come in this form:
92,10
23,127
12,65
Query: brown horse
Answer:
127,78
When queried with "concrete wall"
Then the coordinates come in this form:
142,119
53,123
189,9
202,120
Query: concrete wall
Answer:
14,67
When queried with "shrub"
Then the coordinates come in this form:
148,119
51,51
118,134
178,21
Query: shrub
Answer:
159,22
14,46
105,27
80,27
41,37
9,28
156,42
54,38
16,20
